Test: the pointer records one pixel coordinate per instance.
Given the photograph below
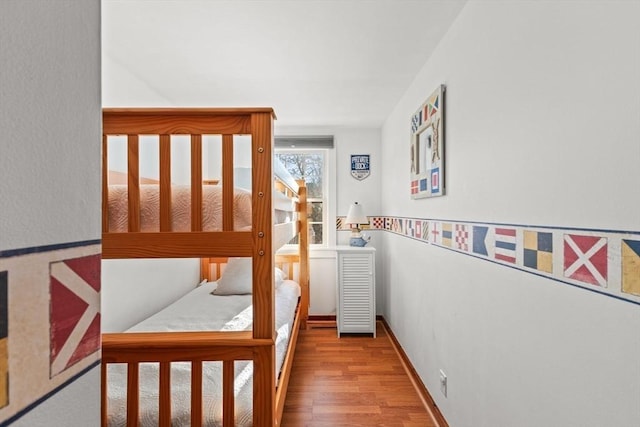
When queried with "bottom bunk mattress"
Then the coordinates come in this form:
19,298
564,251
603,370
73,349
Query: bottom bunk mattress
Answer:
199,310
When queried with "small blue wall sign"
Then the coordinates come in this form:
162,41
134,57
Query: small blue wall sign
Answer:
360,166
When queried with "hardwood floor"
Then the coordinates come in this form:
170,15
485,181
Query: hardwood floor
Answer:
352,381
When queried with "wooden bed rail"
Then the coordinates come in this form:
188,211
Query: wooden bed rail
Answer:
130,346
166,347
195,347
177,244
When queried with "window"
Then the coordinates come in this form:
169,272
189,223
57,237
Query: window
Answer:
310,165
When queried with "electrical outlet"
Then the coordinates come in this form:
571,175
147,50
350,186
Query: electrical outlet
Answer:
443,383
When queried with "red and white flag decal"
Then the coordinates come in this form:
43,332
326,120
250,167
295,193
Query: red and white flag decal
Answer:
74,311
585,259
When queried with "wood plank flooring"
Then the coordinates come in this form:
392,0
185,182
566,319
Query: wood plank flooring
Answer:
352,381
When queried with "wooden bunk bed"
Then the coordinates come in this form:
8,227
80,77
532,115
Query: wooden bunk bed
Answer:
259,243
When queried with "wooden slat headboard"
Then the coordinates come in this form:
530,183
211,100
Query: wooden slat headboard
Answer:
212,268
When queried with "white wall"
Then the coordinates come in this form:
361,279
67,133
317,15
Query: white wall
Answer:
50,92
134,289
322,282
50,154
542,125
75,405
349,189
122,88
365,192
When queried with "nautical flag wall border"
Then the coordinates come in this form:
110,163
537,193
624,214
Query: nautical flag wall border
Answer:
51,295
606,262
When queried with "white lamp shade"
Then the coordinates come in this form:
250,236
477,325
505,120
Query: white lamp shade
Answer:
356,215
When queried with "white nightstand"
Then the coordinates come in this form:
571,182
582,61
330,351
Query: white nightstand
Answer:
356,305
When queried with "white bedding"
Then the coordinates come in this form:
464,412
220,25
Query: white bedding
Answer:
180,208
200,311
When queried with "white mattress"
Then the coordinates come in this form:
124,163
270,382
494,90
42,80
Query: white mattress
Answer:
201,311
180,208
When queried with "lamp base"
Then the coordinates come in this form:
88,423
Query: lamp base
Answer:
357,241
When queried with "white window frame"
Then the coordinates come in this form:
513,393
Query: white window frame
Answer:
328,192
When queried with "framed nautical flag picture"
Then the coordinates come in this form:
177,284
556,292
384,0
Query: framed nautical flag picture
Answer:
427,147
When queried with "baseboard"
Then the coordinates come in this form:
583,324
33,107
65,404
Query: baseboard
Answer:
424,394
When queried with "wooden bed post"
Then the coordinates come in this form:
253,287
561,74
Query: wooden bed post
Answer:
304,253
264,383
105,185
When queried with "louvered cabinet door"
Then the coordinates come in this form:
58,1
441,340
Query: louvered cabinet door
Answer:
356,290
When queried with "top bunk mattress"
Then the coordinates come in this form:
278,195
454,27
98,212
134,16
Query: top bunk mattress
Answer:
180,208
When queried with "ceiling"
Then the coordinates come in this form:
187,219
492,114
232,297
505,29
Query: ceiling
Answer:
316,62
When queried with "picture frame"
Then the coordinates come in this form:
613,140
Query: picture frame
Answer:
427,148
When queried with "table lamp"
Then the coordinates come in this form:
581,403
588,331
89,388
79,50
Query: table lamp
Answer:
355,217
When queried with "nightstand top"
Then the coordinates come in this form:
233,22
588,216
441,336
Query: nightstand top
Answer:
347,248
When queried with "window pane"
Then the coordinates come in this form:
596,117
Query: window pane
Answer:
316,212
313,175
307,166
315,234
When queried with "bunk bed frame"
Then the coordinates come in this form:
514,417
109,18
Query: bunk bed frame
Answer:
259,244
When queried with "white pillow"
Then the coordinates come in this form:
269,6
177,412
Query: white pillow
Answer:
280,276
237,278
